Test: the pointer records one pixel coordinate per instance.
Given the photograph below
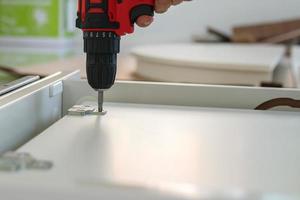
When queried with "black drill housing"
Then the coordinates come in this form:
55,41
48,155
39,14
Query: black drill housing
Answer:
101,50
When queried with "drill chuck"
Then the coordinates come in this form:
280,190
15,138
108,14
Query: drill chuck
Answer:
101,50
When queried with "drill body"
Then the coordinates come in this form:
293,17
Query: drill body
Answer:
103,22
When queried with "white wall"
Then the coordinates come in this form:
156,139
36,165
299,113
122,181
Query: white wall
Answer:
193,17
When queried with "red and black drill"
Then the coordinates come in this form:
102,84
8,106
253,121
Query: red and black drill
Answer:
103,23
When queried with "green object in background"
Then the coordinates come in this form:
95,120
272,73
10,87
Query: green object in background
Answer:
5,78
35,31
37,18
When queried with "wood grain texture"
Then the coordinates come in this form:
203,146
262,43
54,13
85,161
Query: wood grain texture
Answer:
259,32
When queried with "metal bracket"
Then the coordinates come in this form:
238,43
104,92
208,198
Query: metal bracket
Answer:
13,161
83,110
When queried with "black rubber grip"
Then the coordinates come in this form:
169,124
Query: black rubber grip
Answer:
101,61
141,10
101,70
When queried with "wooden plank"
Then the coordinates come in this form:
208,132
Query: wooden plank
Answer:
259,32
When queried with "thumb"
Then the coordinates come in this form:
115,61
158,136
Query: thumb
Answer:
144,21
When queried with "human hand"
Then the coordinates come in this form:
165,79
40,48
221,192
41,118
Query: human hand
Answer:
161,6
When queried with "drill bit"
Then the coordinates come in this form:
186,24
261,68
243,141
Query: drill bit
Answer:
100,101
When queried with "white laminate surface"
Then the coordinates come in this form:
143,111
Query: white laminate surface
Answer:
241,57
172,147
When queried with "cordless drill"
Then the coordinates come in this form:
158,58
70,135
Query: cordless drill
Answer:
103,23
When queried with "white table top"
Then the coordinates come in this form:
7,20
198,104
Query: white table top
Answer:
241,57
167,148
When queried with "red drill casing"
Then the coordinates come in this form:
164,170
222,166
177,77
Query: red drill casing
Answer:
103,22
116,16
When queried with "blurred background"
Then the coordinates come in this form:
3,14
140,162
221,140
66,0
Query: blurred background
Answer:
232,42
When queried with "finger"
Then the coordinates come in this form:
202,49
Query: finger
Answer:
176,2
162,6
144,21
